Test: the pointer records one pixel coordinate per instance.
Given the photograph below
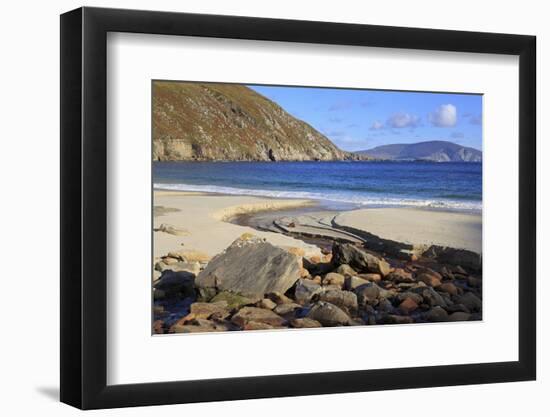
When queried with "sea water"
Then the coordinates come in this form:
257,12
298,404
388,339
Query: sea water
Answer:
448,186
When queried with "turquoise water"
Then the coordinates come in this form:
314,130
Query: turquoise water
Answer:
453,186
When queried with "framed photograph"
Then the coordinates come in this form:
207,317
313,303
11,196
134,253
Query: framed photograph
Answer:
258,208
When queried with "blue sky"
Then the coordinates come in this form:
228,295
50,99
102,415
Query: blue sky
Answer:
362,119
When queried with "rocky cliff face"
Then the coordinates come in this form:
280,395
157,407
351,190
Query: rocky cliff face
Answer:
205,122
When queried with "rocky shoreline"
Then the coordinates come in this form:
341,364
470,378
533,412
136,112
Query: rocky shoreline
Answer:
254,285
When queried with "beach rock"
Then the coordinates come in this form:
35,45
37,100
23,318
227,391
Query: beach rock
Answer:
206,310
305,290
254,325
201,326
460,257
448,288
328,314
346,300
279,298
402,296
429,279
408,305
396,319
284,309
431,297
368,293
400,275
371,277
333,278
437,314
259,315
353,282
384,306
346,270
233,300
172,283
267,304
251,267
471,301
459,316
358,258
304,323
172,230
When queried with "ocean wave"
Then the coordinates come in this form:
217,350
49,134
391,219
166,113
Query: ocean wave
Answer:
356,199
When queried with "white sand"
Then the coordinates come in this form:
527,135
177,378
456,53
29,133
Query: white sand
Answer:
418,227
202,217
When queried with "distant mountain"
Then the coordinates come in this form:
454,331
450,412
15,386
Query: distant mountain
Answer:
209,122
436,151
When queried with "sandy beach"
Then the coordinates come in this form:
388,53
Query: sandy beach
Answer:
203,220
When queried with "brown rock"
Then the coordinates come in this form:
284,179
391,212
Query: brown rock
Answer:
206,310
260,315
371,277
448,288
429,279
267,304
408,305
279,298
200,326
304,323
400,275
233,300
328,314
346,270
254,325
333,278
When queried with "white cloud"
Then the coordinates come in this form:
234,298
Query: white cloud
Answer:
377,125
401,120
443,116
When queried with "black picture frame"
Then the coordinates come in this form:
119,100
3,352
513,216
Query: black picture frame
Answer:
84,207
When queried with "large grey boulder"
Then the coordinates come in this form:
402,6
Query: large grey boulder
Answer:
359,259
251,267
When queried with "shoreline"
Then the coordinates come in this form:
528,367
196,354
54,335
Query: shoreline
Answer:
416,227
